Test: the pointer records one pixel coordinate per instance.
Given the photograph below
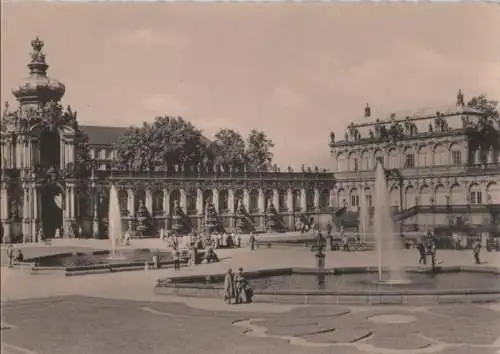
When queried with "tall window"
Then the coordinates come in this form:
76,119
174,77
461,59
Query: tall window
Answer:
456,158
410,161
355,164
354,200
369,200
476,197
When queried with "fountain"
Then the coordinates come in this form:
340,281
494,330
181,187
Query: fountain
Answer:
114,223
388,243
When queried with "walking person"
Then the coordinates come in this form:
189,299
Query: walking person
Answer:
422,252
10,255
345,241
177,259
476,249
432,251
251,242
229,286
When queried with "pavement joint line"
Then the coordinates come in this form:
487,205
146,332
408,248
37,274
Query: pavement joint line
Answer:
16,349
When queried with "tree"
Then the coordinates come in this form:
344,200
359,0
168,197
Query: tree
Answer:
230,146
483,104
258,151
166,142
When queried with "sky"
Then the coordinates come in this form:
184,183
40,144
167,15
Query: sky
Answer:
294,70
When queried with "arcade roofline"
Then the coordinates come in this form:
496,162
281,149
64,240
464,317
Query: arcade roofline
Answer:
418,117
117,175
417,136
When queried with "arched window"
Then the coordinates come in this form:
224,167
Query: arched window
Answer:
191,196
393,158
224,201
354,198
341,162
379,157
365,161
440,155
282,200
475,194
424,157
324,198
158,203
254,201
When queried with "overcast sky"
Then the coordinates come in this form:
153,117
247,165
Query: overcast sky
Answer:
294,70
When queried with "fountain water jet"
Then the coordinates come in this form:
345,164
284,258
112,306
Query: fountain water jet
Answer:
387,241
114,223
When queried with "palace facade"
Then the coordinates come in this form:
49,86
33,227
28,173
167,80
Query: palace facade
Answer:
45,185
442,166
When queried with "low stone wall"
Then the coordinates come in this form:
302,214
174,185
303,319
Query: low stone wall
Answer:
202,286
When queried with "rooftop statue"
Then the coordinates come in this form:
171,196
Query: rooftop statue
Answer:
460,99
368,111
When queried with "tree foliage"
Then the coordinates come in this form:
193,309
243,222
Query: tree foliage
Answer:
171,141
166,142
488,128
230,146
258,151
485,105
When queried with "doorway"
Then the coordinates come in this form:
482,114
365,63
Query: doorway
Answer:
52,209
50,149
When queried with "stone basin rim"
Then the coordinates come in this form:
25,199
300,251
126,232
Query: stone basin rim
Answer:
189,282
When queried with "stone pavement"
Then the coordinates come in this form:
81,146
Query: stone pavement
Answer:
118,312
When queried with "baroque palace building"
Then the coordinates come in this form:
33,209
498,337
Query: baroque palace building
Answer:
45,185
442,166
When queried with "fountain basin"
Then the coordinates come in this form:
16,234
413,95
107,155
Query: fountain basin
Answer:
80,263
354,286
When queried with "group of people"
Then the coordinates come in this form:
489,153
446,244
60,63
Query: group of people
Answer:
15,256
237,288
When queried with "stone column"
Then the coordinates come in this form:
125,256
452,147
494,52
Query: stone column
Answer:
72,202
246,199
490,155
166,207
183,201
303,200
166,202
35,216
62,152
95,216
261,205
276,199
215,199
230,200
477,156
199,201
26,213
331,202
289,200
149,200
131,202
316,198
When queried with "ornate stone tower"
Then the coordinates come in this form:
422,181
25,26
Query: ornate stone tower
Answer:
40,144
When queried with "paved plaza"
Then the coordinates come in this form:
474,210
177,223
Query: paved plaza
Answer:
119,313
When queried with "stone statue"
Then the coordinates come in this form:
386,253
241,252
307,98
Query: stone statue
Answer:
464,122
332,137
368,111
346,137
460,99
430,128
372,135
290,169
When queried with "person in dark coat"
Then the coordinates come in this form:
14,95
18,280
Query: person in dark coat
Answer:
422,252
